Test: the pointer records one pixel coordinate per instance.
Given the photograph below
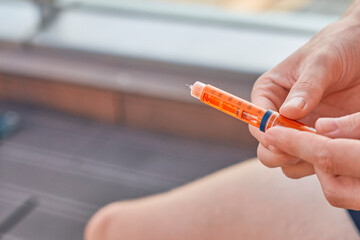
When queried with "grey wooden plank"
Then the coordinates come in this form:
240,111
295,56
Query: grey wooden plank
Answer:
75,166
48,139
69,185
10,237
42,225
38,117
182,160
83,166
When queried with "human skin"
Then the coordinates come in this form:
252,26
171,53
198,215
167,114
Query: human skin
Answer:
321,79
248,201
244,201
336,161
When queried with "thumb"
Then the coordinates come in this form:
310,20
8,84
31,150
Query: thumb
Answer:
343,127
306,93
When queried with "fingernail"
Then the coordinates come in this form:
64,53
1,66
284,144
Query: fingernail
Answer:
327,125
274,149
295,102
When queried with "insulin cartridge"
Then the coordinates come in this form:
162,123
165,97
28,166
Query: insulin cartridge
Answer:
243,110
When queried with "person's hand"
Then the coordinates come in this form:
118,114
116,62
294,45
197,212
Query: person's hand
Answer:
336,161
321,79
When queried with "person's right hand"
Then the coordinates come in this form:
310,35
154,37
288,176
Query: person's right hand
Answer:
321,79
336,161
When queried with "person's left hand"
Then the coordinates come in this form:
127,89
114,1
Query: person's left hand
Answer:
336,161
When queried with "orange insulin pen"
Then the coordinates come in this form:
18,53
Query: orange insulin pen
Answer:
243,110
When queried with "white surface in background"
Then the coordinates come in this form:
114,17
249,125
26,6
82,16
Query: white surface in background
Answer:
211,46
304,21
240,48
18,20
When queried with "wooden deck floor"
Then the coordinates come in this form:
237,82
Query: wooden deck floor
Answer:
72,166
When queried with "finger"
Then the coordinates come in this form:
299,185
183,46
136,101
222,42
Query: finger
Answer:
343,127
304,145
257,134
340,191
301,169
268,92
263,100
308,90
262,96
342,157
275,158
335,156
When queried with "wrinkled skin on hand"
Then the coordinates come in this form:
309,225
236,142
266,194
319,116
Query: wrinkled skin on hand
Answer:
321,79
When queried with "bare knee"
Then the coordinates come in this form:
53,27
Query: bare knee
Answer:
100,225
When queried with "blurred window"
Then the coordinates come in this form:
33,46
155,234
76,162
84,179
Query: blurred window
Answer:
248,35
261,12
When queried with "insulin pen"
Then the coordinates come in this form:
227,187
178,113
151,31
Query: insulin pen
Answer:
243,110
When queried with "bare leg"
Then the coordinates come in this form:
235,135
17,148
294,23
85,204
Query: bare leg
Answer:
246,201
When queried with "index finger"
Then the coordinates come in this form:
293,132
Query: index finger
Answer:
262,95
335,156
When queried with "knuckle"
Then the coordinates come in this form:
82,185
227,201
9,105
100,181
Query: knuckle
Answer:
305,84
321,55
324,57
324,160
325,62
325,163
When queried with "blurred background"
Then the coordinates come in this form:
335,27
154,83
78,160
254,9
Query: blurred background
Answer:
93,106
